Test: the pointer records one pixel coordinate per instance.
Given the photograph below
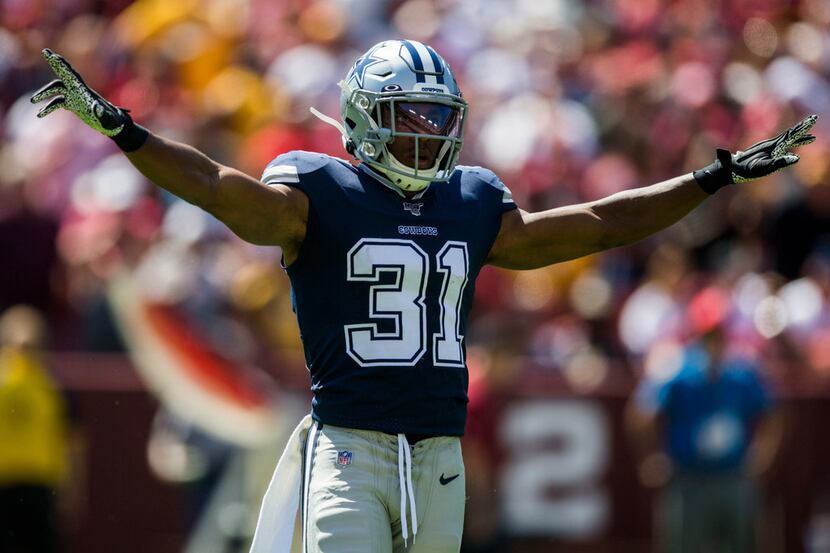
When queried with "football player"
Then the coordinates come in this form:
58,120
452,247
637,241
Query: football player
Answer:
382,255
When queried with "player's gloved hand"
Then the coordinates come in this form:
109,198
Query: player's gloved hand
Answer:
69,91
759,160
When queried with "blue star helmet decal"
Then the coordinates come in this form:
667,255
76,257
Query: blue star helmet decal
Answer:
361,65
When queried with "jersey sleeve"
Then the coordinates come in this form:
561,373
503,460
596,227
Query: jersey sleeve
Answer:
507,202
295,168
282,170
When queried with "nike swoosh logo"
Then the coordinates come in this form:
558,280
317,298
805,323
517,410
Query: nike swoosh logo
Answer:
445,481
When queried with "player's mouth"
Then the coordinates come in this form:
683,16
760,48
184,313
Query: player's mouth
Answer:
427,153
425,161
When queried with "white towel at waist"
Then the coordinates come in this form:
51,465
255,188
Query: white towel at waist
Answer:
275,525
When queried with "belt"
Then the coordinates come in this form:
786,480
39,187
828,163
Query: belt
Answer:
415,438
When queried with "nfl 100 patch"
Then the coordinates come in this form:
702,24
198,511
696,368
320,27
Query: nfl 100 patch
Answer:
344,458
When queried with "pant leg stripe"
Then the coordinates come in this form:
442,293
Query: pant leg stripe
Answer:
308,460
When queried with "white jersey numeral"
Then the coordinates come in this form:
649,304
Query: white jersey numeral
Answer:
403,303
453,262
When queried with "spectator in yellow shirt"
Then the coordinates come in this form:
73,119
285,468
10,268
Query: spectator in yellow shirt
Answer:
33,437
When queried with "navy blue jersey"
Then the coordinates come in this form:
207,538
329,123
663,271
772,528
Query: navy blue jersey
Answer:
382,288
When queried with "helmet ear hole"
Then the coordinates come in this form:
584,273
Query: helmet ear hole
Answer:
351,124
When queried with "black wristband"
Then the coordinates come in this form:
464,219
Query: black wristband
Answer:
716,175
132,136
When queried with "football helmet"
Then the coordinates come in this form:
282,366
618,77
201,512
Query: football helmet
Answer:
402,113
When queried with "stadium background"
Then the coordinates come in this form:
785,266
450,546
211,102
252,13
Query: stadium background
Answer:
570,101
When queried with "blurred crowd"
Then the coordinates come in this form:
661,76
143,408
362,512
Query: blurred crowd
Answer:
570,101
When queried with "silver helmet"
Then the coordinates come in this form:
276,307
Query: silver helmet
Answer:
403,90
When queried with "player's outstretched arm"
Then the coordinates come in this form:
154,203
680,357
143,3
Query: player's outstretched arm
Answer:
260,214
531,240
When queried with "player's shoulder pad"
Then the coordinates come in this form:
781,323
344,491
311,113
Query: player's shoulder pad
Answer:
488,178
287,168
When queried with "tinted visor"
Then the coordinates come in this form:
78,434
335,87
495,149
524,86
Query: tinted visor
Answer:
424,118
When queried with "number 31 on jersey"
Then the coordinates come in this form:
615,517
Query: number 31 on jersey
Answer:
403,302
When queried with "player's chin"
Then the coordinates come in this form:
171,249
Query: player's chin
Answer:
426,162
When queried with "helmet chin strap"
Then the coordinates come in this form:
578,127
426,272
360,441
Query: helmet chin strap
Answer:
330,120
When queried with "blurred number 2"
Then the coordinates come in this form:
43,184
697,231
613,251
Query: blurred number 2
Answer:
551,480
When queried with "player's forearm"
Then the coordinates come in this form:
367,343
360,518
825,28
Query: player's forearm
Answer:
532,240
178,168
631,215
265,215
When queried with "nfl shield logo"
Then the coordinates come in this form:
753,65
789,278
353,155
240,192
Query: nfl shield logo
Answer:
344,458
413,208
